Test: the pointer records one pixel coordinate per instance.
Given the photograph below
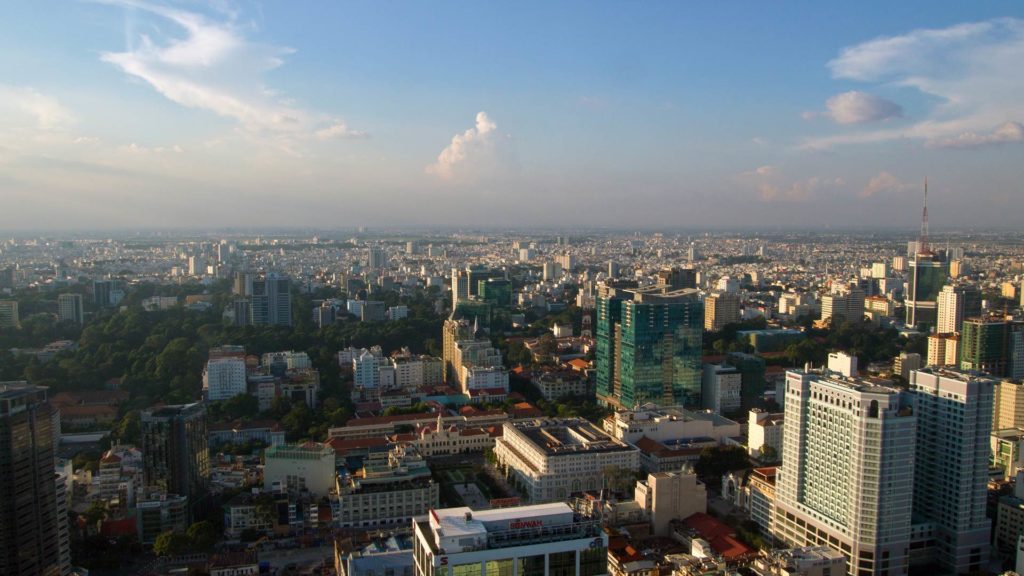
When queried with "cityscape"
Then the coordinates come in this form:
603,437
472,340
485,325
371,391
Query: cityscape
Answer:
278,323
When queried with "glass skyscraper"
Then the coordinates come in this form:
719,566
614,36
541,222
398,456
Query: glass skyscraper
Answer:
928,275
649,346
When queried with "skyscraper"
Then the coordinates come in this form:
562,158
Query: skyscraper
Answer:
466,282
30,524
992,345
107,293
376,258
954,421
69,308
720,309
649,346
271,301
847,478
175,458
956,302
927,275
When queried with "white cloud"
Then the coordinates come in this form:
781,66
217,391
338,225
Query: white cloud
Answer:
765,170
339,130
971,70
855,107
771,185
883,182
1007,133
211,65
474,145
21,105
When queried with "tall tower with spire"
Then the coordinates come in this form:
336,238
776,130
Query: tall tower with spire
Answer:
927,276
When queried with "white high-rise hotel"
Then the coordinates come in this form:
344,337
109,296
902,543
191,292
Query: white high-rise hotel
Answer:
224,378
862,460
847,481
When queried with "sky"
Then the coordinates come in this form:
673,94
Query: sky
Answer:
136,114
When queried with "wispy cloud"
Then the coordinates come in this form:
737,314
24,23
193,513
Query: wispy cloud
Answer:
855,107
970,69
474,146
22,105
883,182
212,65
772,185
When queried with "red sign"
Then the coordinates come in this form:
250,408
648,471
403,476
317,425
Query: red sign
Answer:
504,502
517,524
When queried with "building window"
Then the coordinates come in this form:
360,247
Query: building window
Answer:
594,561
562,563
531,565
498,567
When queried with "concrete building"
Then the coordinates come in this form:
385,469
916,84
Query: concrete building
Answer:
307,468
537,540
555,385
721,385
720,309
954,421
669,423
842,363
9,317
956,302
160,512
391,489
906,363
224,378
271,301
552,459
1008,405
848,302
70,308
764,434
669,496
943,350
807,561
847,478
31,534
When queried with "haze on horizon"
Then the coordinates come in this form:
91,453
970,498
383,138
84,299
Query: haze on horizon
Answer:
127,114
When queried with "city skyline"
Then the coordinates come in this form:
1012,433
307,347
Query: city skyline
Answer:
123,114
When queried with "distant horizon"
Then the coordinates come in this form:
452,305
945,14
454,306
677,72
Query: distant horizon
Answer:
142,114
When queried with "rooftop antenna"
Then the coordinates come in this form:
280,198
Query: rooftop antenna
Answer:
923,244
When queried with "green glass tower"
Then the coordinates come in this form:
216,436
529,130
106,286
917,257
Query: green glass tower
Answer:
649,346
985,345
928,275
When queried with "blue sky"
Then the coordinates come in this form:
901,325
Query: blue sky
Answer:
126,113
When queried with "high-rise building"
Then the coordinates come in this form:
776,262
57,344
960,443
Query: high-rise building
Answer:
954,421
107,293
69,308
466,283
242,285
1008,406
956,302
31,527
943,350
927,276
677,278
535,540
649,346
992,345
721,309
9,314
848,303
847,477
175,456
271,301
376,258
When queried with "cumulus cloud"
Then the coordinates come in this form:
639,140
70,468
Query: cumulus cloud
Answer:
21,105
883,182
211,65
969,70
1007,133
474,145
855,107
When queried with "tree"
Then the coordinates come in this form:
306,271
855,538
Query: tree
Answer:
716,461
202,535
170,543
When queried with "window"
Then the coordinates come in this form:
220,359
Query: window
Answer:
498,567
472,569
562,563
531,565
594,561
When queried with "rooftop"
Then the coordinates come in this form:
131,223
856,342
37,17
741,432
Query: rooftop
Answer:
568,436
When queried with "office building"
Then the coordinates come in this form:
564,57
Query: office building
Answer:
807,561
551,271
764,434
669,496
847,303
676,278
927,276
847,477
175,455
669,424
551,459
905,363
70,309
242,285
720,388
943,350
752,383
224,378
107,293
956,302
721,309
537,540
376,259
1008,405
648,346
954,421
9,314
158,513
466,282
992,345
307,468
271,301
31,528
